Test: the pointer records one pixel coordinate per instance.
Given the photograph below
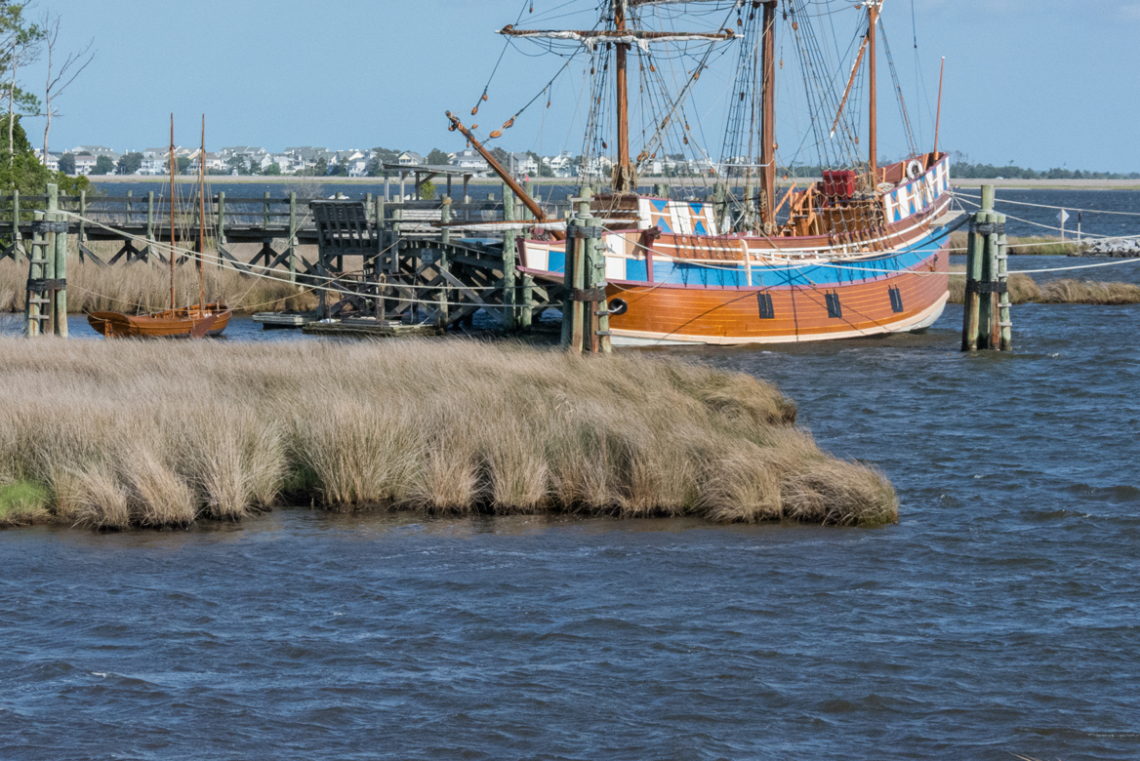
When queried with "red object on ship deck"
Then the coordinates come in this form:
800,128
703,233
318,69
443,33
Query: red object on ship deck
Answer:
839,183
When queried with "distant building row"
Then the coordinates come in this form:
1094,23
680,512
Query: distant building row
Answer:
307,160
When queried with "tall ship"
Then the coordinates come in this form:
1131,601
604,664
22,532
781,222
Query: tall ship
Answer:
858,249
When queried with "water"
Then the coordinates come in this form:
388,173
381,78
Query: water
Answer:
1001,615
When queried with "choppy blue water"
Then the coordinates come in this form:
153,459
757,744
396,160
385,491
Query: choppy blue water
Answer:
1000,616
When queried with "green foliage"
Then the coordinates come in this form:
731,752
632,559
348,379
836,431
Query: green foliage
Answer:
129,163
273,169
427,190
67,163
21,42
103,165
21,170
19,498
438,158
183,164
385,154
238,164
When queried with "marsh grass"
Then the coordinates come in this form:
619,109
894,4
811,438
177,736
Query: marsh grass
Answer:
1023,289
22,503
1028,245
143,287
148,434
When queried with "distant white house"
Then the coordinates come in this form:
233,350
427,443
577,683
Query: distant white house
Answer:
51,161
410,158
469,160
214,162
523,164
85,163
561,165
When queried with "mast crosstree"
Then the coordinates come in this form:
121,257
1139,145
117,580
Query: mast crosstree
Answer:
622,38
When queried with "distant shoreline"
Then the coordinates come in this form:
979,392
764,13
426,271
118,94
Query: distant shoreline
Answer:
225,179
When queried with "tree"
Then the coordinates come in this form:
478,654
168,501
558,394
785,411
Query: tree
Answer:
67,163
183,163
438,158
103,165
59,79
237,164
21,169
19,44
129,163
273,169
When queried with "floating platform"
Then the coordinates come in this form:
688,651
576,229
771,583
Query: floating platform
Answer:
274,320
369,326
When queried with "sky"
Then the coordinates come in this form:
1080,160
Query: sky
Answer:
1039,83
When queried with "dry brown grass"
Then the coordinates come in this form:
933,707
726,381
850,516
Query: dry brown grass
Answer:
1023,289
1025,245
144,287
125,433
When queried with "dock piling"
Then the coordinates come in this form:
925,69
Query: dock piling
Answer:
986,323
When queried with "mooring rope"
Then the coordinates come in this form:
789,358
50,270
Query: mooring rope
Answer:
1049,206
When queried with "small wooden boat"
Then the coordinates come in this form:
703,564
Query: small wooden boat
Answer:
184,322
194,321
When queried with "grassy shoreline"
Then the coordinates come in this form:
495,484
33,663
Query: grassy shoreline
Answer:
129,434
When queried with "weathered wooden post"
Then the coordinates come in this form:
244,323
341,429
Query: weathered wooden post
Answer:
573,277
1005,319
150,236
81,238
583,328
510,248
35,303
221,234
442,262
58,288
974,251
16,234
292,245
598,308
720,204
985,319
47,286
396,245
445,220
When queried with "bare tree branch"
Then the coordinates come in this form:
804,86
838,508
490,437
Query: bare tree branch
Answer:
60,79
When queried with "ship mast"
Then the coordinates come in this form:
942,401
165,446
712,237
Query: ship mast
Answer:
874,8
768,125
201,217
623,177
172,254
622,37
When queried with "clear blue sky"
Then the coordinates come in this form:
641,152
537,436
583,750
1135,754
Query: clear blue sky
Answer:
1041,83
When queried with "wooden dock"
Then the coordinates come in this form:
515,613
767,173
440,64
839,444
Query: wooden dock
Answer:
398,265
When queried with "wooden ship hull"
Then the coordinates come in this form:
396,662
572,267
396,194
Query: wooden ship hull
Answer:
185,322
672,279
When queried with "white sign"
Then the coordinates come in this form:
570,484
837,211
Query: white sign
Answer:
1062,216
